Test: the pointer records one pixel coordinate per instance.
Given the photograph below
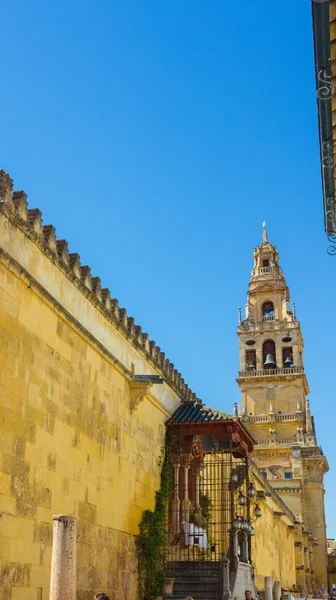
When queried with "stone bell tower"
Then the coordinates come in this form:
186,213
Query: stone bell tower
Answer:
276,409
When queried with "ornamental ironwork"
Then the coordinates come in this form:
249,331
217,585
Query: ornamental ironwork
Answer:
332,249
328,89
328,154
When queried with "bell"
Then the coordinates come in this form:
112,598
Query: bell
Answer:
251,365
289,361
269,362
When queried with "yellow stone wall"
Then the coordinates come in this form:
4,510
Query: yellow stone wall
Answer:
273,549
314,515
69,441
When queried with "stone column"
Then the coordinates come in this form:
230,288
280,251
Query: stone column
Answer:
278,357
197,486
234,538
186,503
268,588
186,490
63,560
308,417
296,357
277,590
225,577
259,357
246,548
176,498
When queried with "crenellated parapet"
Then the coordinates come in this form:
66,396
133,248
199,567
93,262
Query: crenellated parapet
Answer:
29,220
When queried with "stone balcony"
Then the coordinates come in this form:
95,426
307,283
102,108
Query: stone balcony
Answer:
279,441
275,441
266,324
269,372
283,417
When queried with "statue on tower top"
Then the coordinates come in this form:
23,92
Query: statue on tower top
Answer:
265,236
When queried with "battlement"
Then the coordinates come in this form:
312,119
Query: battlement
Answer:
14,205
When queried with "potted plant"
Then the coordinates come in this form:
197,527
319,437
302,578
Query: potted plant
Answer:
167,586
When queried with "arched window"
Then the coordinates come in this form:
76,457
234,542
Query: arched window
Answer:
250,359
267,311
268,350
287,357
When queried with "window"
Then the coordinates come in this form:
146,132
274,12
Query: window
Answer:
266,262
267,311
264,474
288,475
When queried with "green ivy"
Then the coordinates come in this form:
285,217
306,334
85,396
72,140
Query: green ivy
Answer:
152,539
205,506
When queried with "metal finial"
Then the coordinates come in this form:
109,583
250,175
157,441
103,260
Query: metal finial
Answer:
294,310
239,316
265,236
235,409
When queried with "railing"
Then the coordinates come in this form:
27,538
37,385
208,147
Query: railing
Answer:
268,318
268,372
286,417
257,419
264,270
266,324
271,417
278,441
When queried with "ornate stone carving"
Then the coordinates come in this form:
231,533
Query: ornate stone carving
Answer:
138,390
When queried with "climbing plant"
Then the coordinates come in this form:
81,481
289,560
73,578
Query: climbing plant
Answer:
152,539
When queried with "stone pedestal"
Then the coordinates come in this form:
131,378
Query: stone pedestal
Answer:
268,588
63,561
277,590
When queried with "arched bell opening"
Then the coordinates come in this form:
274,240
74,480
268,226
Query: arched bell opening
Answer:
267,311
268,350
250,359
287,357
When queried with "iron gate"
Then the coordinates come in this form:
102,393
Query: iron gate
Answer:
209,502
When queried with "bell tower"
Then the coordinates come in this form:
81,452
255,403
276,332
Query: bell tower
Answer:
275,406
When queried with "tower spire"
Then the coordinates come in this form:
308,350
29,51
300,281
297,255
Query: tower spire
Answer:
265,236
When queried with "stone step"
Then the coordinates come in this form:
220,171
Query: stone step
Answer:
195,596
199,580
196,579
185,564
198,574
190,590
204,581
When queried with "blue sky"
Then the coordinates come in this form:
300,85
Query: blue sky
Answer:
156,136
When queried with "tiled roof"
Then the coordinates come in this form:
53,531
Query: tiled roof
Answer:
196,412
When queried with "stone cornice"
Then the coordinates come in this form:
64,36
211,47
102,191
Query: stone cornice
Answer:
288,490
316,465
29,221
248,377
